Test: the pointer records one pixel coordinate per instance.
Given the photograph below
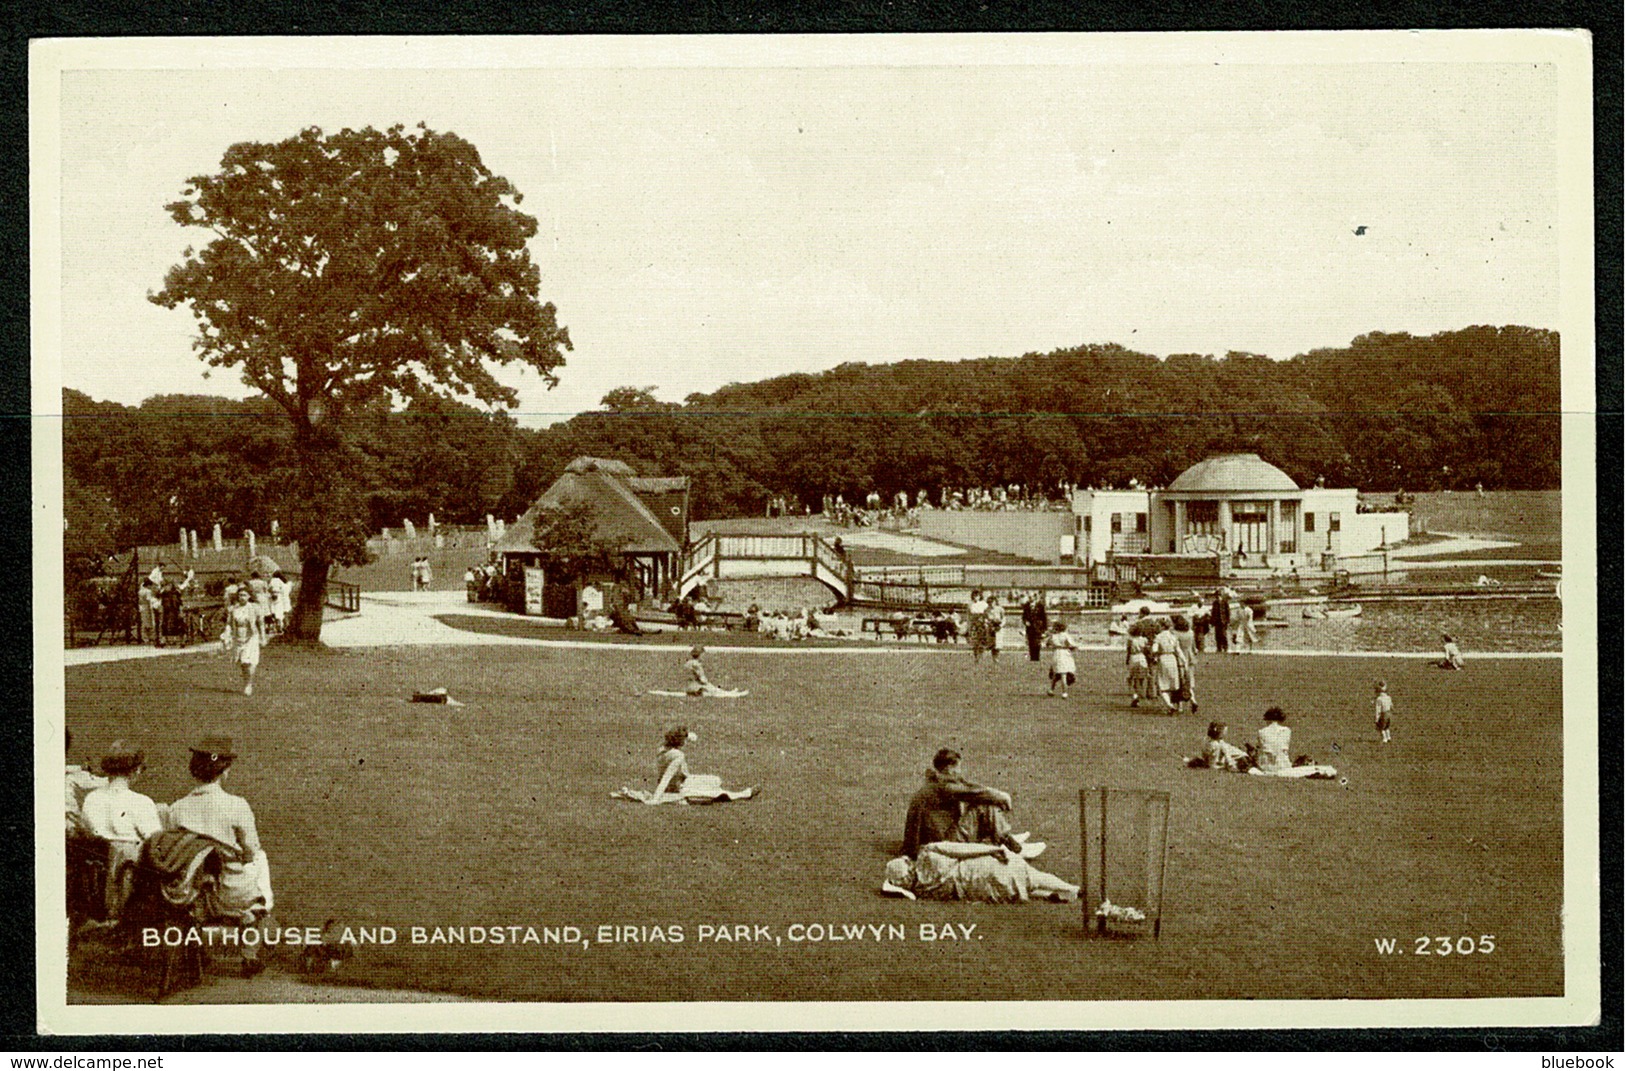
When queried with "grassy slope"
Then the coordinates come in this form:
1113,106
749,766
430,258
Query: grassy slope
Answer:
1526,516
380,811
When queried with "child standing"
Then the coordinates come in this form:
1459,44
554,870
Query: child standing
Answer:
1384,706
1063,666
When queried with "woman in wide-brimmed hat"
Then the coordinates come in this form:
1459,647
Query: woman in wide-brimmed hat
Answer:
209,810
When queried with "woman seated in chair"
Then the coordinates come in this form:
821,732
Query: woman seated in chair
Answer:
122,817
210,811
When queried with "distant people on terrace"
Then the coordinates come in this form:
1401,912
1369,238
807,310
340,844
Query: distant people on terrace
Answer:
905,506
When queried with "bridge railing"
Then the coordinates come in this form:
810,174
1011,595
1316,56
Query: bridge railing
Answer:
935,575
705,556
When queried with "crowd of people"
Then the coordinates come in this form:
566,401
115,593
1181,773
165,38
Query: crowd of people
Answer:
483,582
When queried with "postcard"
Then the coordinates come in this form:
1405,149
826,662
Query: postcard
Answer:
927,532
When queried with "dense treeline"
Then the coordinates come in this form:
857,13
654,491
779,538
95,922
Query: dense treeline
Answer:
138,474
1387,412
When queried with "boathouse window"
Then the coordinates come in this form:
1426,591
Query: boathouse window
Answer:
1336,523
1308,522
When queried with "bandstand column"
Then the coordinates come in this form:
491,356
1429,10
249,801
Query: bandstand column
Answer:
1179,526
1224,524
1275,526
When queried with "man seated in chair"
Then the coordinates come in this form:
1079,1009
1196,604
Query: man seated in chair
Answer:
950,808
122,817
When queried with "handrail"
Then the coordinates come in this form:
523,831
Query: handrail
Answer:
343,595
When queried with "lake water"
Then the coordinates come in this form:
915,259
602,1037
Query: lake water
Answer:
1478,625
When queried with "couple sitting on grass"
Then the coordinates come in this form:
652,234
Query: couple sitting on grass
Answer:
957,845
1271,756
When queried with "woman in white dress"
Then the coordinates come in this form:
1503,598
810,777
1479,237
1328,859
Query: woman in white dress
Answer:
281,602
1168,667
245,635
1063,668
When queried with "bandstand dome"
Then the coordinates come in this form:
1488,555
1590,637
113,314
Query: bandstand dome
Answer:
1228,474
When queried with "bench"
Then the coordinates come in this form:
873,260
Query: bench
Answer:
921,627
729,620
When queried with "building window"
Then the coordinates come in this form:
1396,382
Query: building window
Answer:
1202,513
1336,522
1308,522
1117,522
1142,522
1088,523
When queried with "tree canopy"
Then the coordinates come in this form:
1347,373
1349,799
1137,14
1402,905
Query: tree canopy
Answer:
1387,412
349,273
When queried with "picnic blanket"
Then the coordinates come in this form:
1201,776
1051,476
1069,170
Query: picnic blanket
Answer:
1298,771
698,788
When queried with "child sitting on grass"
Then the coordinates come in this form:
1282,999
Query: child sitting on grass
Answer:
1219,753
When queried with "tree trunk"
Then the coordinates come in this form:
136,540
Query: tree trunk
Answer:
308,607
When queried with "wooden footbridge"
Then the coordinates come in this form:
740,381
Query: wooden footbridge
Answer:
721,556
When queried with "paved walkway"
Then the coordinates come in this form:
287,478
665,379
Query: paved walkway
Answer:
1454,543
123,652
408,619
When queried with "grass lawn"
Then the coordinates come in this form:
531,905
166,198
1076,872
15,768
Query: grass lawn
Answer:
1526,516
382,812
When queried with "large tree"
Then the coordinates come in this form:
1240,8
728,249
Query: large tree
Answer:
352,271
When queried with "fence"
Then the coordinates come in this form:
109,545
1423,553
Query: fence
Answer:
344,596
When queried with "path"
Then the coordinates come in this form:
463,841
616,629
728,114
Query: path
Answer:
1454,543
409,619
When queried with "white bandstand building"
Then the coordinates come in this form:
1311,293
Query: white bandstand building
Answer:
1238,508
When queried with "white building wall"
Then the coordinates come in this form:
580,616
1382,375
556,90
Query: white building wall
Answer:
1095,536
1359,533
1035,534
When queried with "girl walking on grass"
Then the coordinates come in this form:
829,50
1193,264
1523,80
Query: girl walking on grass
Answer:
1063,668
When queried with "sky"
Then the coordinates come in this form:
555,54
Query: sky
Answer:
706,224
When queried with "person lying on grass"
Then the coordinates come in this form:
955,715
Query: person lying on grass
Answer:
950,808
988,873
1452,654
